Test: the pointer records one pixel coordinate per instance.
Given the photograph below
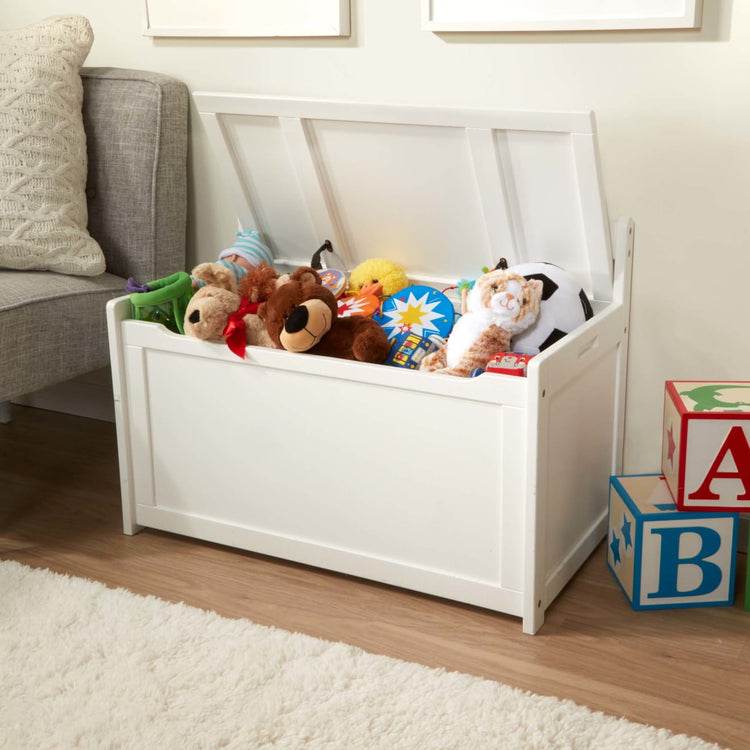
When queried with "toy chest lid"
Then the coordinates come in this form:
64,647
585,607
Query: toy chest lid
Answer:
443,192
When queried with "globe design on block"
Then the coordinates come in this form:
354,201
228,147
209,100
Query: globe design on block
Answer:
564,307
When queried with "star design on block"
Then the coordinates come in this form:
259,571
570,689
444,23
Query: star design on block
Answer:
614,545
625,529
671,445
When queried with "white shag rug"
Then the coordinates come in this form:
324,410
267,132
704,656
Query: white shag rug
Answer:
85,666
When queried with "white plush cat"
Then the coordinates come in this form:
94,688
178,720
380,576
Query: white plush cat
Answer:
500,305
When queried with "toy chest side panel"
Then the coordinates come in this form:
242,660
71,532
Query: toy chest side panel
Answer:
579,396
579,431
409,487
576,434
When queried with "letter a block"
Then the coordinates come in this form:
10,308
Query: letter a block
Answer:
665,558
706,445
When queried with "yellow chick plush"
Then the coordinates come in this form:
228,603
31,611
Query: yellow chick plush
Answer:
378,276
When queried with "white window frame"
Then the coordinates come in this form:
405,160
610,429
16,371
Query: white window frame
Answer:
247,18
559,15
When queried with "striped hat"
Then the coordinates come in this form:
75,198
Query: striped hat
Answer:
249,246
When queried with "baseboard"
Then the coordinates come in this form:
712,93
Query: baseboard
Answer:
88,396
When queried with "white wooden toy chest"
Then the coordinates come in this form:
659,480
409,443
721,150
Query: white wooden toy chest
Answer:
490,490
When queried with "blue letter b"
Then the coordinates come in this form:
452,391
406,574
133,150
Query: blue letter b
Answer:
670,561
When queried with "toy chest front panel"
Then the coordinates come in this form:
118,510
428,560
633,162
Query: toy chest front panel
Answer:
491,490
706,444
329,467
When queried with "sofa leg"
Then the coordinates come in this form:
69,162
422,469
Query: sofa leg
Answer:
6,414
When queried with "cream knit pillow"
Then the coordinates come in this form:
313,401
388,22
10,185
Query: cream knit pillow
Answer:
43,161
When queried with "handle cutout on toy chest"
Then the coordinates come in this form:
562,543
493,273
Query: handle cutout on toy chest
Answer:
588,347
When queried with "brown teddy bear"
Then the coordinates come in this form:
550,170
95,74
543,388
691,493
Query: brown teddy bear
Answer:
223,311
302,316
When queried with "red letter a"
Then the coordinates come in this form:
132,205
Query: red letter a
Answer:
736,444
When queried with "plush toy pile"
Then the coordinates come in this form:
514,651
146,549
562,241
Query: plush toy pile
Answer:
373,314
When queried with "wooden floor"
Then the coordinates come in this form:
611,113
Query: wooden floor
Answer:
687,670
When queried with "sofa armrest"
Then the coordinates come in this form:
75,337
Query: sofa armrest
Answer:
136,126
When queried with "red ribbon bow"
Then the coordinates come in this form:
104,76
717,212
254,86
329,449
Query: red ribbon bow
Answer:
234,330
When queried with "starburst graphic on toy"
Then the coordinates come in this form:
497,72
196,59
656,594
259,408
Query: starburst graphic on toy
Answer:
417,309
415,315
362,304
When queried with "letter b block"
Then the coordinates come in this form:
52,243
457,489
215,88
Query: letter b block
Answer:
706,445
662,557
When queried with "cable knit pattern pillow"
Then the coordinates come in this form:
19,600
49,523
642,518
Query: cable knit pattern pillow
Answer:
43,162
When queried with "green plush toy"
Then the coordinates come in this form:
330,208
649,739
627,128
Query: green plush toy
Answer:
162,301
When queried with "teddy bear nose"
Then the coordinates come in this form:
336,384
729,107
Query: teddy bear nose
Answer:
195,316
296,320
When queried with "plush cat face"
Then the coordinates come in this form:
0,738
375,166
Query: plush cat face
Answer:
509,300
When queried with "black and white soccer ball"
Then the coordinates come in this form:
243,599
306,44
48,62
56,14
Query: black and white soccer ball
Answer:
564,307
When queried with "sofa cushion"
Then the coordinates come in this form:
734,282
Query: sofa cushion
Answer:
55,320
136,133
43,162
19,289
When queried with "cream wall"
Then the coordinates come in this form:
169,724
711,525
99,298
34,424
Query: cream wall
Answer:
673,110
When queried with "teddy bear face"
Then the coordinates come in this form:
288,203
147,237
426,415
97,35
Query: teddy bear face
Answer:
302,315
207,312
299,314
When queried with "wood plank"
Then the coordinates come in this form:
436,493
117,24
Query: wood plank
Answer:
209,102
593,214
683,669
496,195
314,185
227,161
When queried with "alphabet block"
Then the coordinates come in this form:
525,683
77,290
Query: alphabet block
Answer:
706,444
664,558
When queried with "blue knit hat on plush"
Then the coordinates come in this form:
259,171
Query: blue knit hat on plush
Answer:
249,246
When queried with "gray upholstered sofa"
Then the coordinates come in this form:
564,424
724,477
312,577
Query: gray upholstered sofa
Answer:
53,326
